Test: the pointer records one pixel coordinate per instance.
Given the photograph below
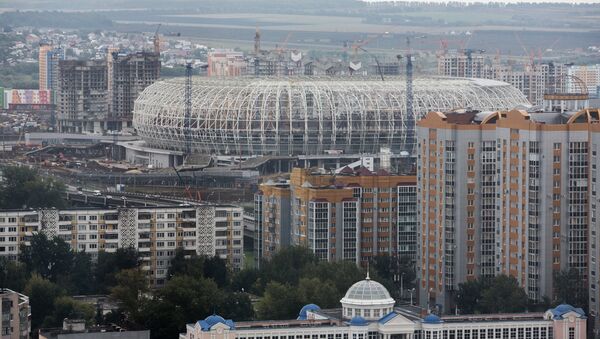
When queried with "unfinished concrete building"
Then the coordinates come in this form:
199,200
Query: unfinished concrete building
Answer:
82,98
130,75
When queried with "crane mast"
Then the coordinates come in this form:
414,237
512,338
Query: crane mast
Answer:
187,124
410,119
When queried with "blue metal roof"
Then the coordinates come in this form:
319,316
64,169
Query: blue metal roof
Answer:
214,319
562,309
358,321
388,317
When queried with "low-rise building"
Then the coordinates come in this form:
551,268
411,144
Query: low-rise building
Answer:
15,315
367,312
77,329
155,232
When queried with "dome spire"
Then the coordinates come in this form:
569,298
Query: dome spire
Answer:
368,278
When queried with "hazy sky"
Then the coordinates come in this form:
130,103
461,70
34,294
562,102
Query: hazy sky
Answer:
503,1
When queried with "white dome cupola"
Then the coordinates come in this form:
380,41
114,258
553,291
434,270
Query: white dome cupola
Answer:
368,299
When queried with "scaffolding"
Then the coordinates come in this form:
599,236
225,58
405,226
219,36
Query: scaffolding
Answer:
293,116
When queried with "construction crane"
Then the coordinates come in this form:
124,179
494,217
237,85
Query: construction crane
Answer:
156,41
187,188
410,118
354,65
187,123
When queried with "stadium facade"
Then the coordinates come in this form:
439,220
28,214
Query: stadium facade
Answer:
310,116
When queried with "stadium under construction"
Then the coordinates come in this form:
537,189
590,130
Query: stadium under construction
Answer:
310,118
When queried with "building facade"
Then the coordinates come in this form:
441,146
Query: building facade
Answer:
502,193
155,232
226,63
48,59
15,315
589,74
533,80
353,215
367,312
130,75
82,96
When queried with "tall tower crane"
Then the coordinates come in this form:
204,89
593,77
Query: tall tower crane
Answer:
187,123
156,41
410,116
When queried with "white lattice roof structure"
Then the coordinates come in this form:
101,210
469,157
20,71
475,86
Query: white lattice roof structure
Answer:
292,116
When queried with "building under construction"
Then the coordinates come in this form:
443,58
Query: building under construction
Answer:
533,79
82,98
131,74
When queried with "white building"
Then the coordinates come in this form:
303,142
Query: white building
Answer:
155,232
367,313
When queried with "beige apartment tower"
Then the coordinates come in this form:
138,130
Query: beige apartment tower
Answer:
502,193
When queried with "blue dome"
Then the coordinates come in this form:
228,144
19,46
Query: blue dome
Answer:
432,319
305,309
214,319
358,321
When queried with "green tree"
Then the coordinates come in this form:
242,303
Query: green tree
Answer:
287,265
180,265
279,302
215,268
342,274
237,306
109,264
571,288
245,280
504,295
313,290
163,319
67,307
468,296
50,258
24,188
42,293
82,276
131,288
195,298
13,275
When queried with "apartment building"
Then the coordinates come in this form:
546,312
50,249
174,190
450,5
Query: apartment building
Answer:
82,96
226,63
501,193
534,80
48,58
589,75
130,75
155,232
15,315
353,215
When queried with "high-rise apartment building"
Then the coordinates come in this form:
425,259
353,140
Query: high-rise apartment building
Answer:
589,74
82,96
155,232
15,315
129,75
48,59
502,193
353,215
533,80
226,63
